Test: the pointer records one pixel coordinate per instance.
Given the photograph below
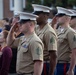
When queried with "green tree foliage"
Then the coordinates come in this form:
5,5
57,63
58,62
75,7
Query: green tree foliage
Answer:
58,3
36,1
49,2
29,4
63,3
71,2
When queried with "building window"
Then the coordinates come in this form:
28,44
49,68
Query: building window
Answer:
12,4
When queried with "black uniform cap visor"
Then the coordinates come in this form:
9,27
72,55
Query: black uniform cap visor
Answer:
39,12
22,21
72,17
60,14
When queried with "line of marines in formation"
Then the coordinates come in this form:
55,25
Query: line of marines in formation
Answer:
46,48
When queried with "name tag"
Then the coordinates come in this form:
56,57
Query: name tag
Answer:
25,46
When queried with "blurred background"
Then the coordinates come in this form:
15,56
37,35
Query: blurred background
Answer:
7,7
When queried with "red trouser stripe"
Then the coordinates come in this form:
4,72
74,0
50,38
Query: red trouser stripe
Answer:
44,68
65,65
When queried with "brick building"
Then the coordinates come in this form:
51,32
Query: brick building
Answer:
7,7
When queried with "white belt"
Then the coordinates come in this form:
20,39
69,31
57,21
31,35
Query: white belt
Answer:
46,61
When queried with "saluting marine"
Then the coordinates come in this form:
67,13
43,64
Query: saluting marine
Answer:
66,44
73,20
30,47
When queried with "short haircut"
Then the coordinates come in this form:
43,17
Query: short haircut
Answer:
7,27
6,19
